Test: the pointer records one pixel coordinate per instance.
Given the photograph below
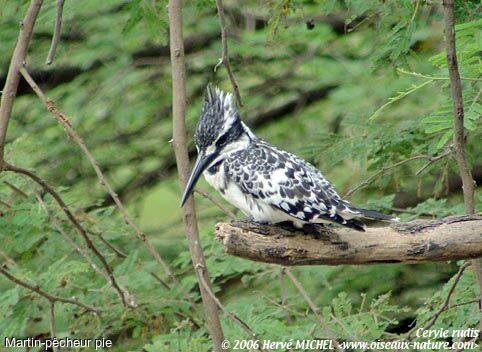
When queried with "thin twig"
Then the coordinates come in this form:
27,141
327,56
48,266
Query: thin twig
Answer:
16,189
283,293
434,78
447,152
285,307
50,297
9,91
52,324
226,312
344,327
76,224
216,203
225,56
384,169
113,248
444,306
433,319
417,4
5,204
57,31
64,121
328,331
464,348
9,260
56,222
476,99
158,279
472,301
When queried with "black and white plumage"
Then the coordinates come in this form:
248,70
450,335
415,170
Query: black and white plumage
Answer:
267,184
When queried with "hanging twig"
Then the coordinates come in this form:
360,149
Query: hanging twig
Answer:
283,293
230,315
446,303
5,204
57,31
158,279
76,224
16,189
50,297
433,319
9,91
328,331
288,310
52,324
216,203
225,56
56,222
109,245
179,144
9,260
64,121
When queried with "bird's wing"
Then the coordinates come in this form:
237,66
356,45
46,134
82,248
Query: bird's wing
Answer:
285,182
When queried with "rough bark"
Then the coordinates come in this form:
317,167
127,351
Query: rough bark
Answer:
452,238
182,160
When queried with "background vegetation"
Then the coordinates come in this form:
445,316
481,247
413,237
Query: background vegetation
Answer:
359,88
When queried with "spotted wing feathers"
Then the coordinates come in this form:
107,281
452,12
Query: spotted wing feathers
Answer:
289,184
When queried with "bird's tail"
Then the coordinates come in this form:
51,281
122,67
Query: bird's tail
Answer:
375,215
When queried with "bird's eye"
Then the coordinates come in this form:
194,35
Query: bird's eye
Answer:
222,140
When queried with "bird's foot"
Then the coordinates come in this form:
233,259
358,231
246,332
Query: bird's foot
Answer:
288,226
318,231
250,219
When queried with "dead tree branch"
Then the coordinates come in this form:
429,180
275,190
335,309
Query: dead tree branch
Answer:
452,238
57,31
50,297
13,76
225,56
182,160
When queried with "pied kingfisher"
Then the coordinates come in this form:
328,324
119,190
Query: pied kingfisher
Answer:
267,184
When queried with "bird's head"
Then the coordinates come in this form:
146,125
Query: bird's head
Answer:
219,131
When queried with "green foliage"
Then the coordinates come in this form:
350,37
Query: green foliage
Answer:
111,77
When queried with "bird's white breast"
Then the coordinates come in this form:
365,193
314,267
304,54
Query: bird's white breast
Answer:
249,205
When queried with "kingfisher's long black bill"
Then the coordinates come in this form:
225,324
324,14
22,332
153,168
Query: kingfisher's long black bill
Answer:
202,162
